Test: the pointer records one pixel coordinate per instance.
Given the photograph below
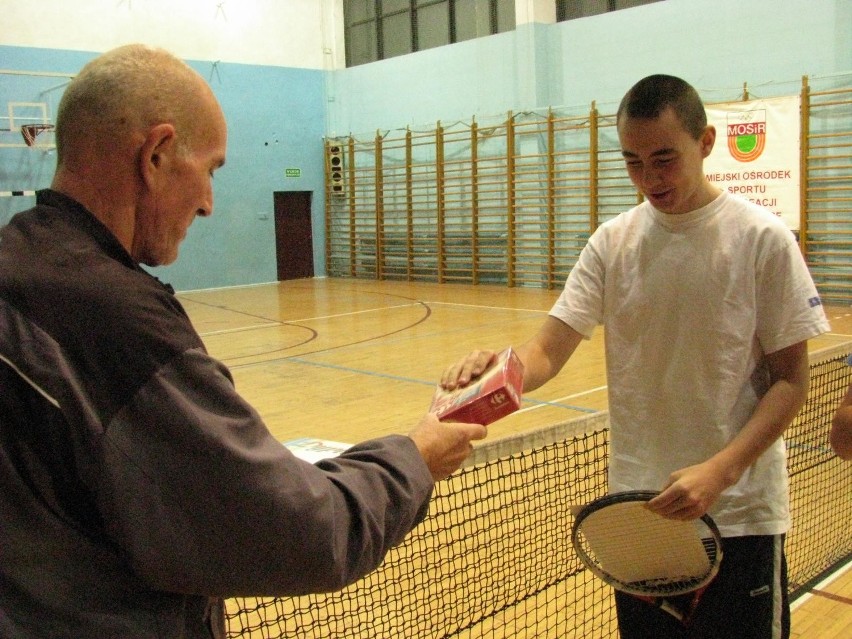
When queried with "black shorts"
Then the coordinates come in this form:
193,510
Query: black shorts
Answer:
747,600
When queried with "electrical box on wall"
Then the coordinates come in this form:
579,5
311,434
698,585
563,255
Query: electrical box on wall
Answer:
335,168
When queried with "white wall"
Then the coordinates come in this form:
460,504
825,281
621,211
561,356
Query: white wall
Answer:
717,45
290,33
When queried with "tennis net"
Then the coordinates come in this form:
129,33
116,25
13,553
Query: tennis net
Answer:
494,559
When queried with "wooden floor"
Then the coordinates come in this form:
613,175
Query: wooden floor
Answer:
826,611
347,360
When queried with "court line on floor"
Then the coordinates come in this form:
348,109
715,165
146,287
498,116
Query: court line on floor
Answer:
832,596
350,313
384,336
539,403
273,323
251,327
490,308
819,588
558,401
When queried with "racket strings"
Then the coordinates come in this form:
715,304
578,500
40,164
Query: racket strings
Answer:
711,547
670,583
643,553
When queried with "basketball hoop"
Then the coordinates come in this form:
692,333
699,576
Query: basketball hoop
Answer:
31,131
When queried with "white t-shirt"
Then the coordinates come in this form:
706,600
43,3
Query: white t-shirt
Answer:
690,305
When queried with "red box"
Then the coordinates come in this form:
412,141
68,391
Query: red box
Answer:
492,395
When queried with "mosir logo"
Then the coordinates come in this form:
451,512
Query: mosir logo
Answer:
747,134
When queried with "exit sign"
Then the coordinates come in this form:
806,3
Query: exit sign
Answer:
290,173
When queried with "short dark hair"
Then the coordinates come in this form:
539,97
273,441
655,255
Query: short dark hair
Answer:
649,97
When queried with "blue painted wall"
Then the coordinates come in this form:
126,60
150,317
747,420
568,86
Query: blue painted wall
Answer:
276,120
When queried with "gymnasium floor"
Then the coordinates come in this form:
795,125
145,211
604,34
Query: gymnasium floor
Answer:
346,360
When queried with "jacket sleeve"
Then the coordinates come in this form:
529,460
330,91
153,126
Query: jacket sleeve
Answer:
203,500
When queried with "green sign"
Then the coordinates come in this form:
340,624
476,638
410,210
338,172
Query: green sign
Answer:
291,173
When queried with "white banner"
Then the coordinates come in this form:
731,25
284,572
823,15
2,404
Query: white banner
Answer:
756,154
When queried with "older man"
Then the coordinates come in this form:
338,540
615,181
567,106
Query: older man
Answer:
138,487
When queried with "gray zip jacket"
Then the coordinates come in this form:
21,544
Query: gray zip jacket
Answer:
137,488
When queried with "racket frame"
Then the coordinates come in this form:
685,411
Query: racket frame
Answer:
643,591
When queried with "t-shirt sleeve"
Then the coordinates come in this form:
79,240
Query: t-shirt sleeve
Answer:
202,499
789,307
580,305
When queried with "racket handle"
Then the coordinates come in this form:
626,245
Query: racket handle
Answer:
684,615
663,604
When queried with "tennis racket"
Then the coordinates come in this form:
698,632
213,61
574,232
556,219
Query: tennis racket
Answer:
646,555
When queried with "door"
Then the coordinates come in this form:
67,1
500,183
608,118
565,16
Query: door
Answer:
294,248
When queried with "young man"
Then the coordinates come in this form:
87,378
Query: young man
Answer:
138,487
707,306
